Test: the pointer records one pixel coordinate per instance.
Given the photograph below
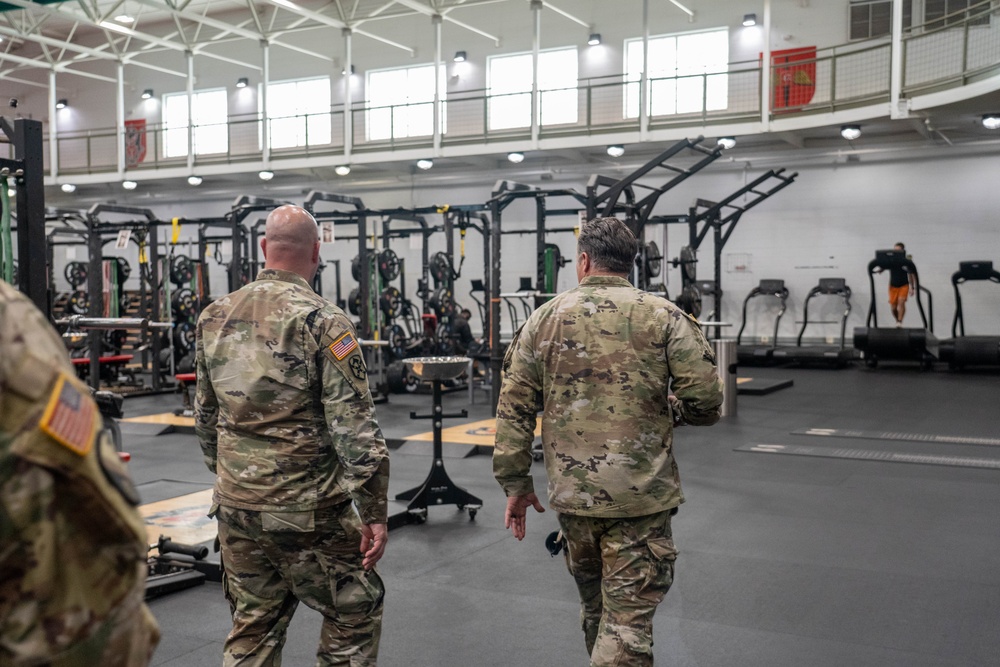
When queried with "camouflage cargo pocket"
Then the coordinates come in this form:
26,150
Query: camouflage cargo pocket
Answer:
660,574
357,595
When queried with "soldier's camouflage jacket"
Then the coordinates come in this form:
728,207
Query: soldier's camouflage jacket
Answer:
283,411
72,543
598,361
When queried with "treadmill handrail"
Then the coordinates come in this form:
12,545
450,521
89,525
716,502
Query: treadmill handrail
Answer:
818,290
872,319
756,291
958,321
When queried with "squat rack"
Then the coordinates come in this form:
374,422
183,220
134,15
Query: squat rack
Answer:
29,172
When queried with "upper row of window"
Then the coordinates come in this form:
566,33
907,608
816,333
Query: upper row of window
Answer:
687,72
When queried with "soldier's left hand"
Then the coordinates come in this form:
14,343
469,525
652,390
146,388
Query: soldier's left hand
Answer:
374,537
517,513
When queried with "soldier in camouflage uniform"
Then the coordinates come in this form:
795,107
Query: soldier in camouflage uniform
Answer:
599,361
72,544
285,419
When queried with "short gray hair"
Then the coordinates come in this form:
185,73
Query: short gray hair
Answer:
609,243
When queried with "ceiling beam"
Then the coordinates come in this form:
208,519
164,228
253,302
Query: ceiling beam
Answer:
62,68
429,11
290,6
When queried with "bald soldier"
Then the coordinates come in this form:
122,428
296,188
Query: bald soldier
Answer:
286,421
72,544
599,361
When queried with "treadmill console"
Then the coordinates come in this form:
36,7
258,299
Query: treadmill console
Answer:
890,259
979,270
832,285
771,286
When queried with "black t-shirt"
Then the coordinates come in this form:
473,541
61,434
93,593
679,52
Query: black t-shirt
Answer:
899,276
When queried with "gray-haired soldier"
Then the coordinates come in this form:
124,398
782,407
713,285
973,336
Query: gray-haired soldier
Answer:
599,360
286,421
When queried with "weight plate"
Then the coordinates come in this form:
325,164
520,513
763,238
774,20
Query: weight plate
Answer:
442,302
78,303
689,261
397,340
391,301
659,288
388,265
396,377
356,268
181,270
690,300
653,260
440,269
184,337
354,302
124,269
183,304
75,273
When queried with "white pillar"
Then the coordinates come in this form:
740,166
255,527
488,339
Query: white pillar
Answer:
190,105
765,72
644,78
436,20
348,97
120,118
53,127
265,128
898,106
536,98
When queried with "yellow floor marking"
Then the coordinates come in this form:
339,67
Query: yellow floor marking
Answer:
475,433
742,380
168,418
182,519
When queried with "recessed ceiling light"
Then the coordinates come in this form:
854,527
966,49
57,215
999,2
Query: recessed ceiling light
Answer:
749,20
516,157
594,39
265,175
726,142
460,56
242,82
62,104
991,121
850,132
125,18
342,169
616,150
194,180
68,188
425,164
146,94
130,185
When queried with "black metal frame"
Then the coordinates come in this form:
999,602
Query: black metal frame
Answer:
29,171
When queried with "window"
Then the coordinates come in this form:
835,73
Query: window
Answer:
210,112
299,112
510,89
873,18
401,102
939,13
687,73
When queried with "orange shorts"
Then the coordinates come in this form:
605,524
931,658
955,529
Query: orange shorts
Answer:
897,295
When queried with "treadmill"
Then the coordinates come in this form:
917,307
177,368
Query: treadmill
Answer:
761,355
961,350
821,355
897,344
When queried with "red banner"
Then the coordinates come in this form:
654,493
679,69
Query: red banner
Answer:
794,77
135,142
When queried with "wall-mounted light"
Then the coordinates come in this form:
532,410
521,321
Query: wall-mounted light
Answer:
265,175
147,94
130,185
242,82
194,180
344,71
516,157
425,164
991,121
62,104
726,142
850,132
342,169
460,56
616,150
749,20
594,39
68,188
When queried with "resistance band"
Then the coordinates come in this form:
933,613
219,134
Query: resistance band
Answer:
5,234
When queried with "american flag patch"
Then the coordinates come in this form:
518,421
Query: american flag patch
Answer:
69,417
343,346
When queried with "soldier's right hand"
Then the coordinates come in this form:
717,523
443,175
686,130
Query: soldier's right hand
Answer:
374,537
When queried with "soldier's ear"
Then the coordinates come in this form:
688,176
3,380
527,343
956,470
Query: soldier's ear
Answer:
263,247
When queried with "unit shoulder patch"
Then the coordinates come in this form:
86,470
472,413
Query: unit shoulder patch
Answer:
70,417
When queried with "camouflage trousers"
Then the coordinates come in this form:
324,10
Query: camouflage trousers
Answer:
622,568
272,560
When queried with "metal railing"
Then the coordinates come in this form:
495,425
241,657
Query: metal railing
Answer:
946,52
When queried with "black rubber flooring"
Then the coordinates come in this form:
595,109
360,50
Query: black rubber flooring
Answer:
784,560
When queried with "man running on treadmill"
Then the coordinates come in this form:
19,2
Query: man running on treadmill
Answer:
902,280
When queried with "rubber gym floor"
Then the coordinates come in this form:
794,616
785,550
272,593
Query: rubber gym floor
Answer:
784,560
